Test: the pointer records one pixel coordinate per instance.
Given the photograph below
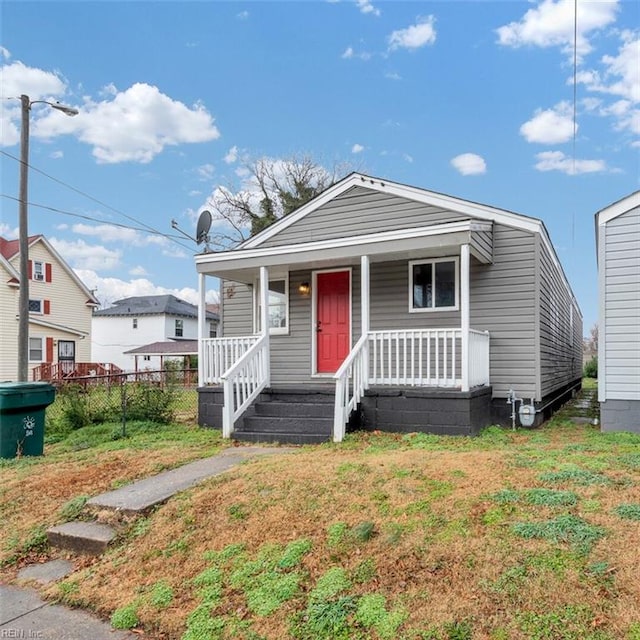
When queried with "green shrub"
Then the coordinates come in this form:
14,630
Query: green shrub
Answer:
591,368
125,617
161,595
150,402
76,409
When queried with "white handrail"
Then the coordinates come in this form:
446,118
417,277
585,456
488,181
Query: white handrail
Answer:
243,382
219,354
351,382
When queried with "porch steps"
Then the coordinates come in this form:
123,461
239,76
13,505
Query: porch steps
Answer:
292,416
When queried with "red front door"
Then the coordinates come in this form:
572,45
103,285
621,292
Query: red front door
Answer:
333,328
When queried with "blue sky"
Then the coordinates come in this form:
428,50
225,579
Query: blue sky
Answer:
472,99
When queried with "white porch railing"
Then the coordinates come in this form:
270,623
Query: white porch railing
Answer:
416,357
243,382
351,382
413,357
478,357
219,354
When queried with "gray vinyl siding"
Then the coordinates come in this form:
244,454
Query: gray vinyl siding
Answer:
621,331
482,243
359,211
237,314
560,329
502,301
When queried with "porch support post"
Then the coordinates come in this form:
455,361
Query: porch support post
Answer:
202,323
264,319
365,310
464,313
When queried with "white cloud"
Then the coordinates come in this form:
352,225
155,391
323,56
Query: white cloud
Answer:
365,6
81,255
56,155
110,289
469,164
407,158
232,155
138,270
551,24
194,192
5,53
205,172
418,35
349,53
243,15
7,232
392,75
134,126
357,148
550,126
558,161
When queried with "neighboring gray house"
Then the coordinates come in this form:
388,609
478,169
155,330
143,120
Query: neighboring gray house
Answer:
141,320
618,247
389,307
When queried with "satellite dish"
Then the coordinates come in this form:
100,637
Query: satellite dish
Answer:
203,226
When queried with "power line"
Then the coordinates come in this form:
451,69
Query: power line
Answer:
106,222
90,197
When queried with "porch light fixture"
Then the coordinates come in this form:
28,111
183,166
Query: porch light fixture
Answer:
304,289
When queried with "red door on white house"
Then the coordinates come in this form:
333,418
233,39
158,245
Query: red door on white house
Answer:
333,321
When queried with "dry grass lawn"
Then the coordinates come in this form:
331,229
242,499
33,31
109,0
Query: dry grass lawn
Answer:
511,535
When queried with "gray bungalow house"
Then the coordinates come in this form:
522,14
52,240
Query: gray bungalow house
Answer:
387,307
618,247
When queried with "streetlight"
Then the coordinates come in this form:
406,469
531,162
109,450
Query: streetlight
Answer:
23,234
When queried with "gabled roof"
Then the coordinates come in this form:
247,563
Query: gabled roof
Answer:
618,208
153,305
464,207
9,249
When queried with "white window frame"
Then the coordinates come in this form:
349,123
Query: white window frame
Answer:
433,262
42,354
134,323
40,302
175,328
38,271
273,277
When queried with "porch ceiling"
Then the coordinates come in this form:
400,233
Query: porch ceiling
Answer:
406,244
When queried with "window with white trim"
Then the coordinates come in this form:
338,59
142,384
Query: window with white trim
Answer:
433,285
213,330
35,350
179,328
134,323
278,306
35,306
38,271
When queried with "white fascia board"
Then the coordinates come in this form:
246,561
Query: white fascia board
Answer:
9,267
417,194
356,245
67,268
58,327
602,316
618,208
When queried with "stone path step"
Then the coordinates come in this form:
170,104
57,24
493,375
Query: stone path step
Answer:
92,538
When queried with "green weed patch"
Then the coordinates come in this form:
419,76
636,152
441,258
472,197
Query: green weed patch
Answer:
568,529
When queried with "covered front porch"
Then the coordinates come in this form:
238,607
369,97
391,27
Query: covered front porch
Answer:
384,345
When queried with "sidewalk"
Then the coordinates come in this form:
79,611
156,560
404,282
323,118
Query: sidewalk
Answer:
23,614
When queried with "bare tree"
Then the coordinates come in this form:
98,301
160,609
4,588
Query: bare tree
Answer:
270,190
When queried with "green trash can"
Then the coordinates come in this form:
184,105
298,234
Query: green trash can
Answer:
22,409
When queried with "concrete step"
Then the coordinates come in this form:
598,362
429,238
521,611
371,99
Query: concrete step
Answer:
290,409
90,538
281,438
282,424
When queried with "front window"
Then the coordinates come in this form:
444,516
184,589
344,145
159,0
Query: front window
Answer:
433,285
38,271
35,349
135,323
35,306
278,306
179,328
212,330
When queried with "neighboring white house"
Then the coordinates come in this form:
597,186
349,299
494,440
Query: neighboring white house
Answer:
141,320
618,242
60,307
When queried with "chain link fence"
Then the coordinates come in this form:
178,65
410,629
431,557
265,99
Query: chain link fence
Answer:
161,396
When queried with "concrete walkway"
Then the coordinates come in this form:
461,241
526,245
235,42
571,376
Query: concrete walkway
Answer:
23,614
